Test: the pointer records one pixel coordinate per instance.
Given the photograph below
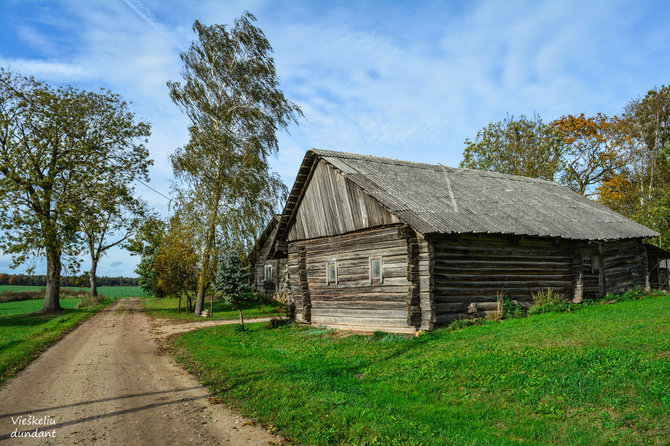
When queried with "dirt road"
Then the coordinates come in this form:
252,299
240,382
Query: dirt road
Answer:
106,384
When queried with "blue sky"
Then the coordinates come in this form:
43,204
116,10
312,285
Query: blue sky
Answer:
408,80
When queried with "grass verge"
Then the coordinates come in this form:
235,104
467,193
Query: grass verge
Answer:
23,336
166,308
600,375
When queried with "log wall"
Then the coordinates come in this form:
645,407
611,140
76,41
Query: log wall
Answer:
625,266
353,302
470,271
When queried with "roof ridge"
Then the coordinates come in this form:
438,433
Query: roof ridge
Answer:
436,167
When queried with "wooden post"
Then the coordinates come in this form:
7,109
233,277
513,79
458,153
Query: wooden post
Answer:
645,269
304,287
577,276
413,276
428,316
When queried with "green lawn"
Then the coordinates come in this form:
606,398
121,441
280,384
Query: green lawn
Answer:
30,306
167,308
600,375
23,335
109,291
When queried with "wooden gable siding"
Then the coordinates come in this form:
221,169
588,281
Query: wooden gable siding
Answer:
470,271
353,302
333,205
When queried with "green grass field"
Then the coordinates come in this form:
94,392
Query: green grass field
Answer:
166,308
23,335
109,291
600,375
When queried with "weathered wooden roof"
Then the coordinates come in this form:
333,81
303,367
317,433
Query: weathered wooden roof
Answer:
438,199
264,238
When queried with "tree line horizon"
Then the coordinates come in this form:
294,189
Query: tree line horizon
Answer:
69,159
68,281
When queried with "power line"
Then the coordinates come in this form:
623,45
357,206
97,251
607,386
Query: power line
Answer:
149,187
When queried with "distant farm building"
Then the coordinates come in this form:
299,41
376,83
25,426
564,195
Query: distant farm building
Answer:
267,271
380,244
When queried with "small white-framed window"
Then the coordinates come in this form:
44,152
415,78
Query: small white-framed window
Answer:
376,270
331,272
268,272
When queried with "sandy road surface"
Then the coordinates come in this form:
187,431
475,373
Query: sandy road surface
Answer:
106,384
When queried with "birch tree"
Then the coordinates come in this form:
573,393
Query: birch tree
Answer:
230,93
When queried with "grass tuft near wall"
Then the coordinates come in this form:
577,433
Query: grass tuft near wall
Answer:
596,376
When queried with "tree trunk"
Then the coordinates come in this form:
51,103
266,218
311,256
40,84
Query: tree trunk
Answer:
92,279
204,271
239,309
211,305
52,295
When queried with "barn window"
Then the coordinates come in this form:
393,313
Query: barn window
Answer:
595,263
268,272
331,272
376,274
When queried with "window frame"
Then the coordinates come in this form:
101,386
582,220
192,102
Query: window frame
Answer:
380,279
328,280
265,272
595,263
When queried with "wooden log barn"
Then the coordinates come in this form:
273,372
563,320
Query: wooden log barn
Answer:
266,270
380,244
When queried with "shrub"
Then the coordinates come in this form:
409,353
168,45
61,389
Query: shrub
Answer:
511,309
15,296
276,322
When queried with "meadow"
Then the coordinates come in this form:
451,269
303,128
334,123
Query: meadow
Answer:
109,291
598,375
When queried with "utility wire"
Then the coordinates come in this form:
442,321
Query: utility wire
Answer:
147,186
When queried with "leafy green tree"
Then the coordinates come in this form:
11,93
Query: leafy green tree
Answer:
176,264
232,281
641,190
231,96
54,143
108,216
523,146
146,243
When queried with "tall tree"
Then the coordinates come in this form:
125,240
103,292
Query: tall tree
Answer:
176,264
108,216
641,190
146,243
231,96
523,146
53,143
590,155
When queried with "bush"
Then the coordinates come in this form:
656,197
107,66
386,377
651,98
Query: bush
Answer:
15,296
276,322
511,309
